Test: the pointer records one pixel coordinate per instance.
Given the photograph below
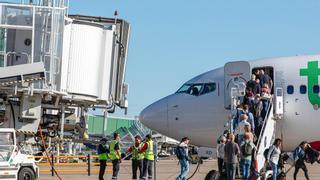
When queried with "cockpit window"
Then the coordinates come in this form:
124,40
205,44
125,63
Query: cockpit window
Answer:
209,87
197,89
184,89
192,89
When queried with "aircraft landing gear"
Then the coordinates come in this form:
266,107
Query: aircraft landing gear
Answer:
213,175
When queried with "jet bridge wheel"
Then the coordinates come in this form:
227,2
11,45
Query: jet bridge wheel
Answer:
26,173
213,175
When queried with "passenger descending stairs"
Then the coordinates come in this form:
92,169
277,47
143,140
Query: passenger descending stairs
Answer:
266,137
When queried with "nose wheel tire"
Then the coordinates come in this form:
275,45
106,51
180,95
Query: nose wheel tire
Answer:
26,173
213,175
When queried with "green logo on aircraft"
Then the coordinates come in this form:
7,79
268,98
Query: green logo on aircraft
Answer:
312,72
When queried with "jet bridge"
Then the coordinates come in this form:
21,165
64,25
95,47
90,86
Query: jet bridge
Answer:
53,64
84,57
65,60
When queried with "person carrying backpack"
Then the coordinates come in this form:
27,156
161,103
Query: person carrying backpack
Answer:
247,151
273,157
182,155
299,156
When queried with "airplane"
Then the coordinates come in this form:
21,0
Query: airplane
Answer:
200,108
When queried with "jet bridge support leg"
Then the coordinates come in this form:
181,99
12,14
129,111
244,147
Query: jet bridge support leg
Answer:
62,121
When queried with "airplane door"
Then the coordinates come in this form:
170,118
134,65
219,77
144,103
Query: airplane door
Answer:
234,72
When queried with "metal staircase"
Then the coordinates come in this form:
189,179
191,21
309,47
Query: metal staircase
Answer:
266,137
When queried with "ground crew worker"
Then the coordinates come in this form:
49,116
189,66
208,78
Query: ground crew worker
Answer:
102,152
137,158
147,149
115,155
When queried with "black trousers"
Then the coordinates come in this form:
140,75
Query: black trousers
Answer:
115,168
300,164
137,164
220,166
147,168
103,164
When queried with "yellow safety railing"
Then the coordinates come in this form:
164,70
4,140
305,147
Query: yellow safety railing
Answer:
55,162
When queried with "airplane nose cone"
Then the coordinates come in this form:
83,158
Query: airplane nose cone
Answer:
155,116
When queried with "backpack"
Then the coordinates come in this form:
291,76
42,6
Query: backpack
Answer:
179,151
265,152
247,149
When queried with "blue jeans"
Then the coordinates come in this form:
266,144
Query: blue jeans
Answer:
245,168
231,171
274,170
240,139
184,164
265,104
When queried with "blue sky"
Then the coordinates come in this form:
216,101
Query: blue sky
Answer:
175,40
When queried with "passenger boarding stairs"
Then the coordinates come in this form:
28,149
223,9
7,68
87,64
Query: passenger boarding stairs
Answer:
266,137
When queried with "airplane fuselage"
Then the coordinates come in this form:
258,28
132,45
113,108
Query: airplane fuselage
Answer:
203,116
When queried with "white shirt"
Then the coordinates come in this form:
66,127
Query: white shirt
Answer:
220,150
274,154
240,129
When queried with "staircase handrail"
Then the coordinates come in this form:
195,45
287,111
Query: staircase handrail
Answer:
265,121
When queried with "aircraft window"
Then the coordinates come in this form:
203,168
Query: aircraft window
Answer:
195,90
192,89
184,89
303,89
290,89
316,89
210,87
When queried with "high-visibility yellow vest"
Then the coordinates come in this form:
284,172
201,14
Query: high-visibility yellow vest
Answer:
149,152
136,155
113,153
103,156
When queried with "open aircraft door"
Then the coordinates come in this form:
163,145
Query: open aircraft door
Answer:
235,74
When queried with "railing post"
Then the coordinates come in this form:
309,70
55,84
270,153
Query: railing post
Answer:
52,167
89,167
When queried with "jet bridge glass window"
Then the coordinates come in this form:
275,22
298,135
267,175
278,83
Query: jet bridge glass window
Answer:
209,87
303,89
316,89
290,89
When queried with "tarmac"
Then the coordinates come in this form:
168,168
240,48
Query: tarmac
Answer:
166,170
